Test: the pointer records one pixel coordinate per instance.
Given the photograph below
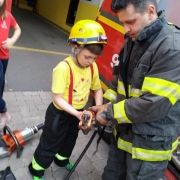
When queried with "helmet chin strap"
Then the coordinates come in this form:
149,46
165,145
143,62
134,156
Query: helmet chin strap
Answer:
75,52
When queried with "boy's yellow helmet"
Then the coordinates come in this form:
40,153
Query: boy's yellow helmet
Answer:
87,32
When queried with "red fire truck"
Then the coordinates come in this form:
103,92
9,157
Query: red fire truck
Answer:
115,33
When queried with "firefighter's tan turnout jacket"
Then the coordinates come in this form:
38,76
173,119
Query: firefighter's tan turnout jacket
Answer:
145,92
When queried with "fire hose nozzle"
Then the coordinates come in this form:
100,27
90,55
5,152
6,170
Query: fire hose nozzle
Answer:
87,121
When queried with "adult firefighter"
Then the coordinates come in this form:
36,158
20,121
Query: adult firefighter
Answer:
144,94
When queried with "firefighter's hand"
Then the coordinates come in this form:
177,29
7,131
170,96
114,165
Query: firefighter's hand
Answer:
101,113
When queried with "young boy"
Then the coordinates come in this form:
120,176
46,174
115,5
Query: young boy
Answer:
72,81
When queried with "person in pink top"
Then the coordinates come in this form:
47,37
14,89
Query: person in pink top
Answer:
7,21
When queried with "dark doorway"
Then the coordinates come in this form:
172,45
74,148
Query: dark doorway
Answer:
72,12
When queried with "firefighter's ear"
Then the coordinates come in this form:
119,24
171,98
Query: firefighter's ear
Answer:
151,10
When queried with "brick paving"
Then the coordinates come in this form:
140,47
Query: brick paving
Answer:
28,109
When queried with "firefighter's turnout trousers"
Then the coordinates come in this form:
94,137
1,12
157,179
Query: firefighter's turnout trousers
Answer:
121,166
57,141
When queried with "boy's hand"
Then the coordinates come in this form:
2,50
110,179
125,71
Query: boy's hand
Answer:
101,113
79,114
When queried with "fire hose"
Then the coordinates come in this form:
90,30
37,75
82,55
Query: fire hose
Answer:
16,140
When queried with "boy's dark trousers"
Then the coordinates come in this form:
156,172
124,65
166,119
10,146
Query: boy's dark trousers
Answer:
59,135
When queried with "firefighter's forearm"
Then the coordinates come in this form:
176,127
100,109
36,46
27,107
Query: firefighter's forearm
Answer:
136,110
